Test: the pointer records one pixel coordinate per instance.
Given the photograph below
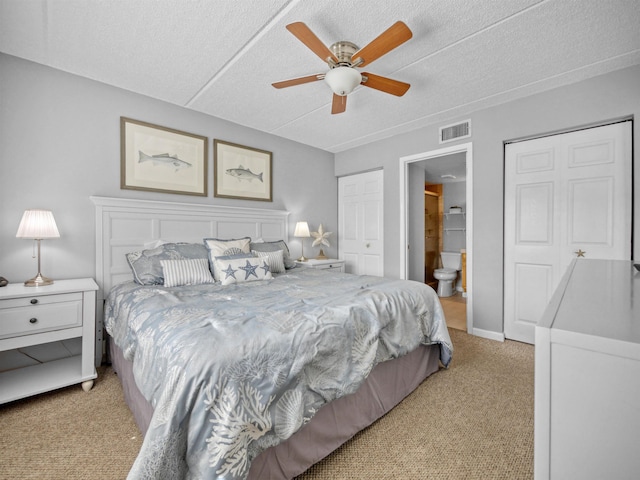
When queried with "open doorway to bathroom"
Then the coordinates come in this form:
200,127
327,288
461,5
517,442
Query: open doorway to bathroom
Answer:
444,226
445,235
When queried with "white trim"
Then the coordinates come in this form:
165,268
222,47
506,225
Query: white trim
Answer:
489,334
404,168
126,204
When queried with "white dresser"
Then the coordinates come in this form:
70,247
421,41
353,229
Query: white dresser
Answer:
324,264
38,315
587,375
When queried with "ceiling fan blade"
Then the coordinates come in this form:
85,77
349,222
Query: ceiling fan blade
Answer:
384,84
339,104
306,36
298,81
395,35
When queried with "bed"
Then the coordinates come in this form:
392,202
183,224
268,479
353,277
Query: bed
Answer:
297,364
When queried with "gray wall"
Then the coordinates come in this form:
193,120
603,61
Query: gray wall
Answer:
592,101
60,144
415,254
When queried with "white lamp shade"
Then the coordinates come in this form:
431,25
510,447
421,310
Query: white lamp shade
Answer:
302,230
37,224
343,80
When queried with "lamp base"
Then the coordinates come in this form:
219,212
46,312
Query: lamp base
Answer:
303,259
38,281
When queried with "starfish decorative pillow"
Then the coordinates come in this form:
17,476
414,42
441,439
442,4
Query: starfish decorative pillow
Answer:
239,270
220,247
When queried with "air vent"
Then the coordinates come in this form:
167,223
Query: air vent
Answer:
449,133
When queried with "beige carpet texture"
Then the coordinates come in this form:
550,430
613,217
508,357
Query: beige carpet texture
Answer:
471,421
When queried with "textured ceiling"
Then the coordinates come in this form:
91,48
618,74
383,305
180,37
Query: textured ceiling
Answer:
220,57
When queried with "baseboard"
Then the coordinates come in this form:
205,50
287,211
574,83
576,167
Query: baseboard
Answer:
498,336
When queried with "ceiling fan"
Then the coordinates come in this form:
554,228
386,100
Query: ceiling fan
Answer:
343,58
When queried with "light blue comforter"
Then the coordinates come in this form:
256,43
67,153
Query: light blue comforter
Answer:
233,370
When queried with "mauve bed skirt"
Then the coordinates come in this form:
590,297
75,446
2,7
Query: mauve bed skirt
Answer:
335,423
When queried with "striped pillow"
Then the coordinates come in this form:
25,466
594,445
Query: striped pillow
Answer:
274,259
188,271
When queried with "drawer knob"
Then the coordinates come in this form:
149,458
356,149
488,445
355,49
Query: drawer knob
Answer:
34,301
33,320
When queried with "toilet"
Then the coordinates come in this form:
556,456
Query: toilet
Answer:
446,276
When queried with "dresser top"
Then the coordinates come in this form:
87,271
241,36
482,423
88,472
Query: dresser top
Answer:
18,290
601,298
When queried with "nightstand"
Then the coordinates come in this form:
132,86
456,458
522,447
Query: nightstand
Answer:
325,264
38,315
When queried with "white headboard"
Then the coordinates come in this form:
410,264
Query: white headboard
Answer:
125,225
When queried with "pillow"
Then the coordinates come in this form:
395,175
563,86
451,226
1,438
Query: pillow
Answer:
235,255
146,266
239,270
214,268
274,259
218,247
187,271
272,247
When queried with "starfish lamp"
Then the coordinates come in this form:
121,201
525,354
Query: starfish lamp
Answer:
321,238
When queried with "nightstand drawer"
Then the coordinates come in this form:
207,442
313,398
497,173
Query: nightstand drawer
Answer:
337,266
37,314
323,264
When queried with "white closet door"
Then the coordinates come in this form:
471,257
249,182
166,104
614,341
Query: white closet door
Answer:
360,220
565,195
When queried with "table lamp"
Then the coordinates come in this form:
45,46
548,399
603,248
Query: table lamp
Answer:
302,230
37,225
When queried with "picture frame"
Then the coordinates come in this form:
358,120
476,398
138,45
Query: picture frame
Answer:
242,172
161,159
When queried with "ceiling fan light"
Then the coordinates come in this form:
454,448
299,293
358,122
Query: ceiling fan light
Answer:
343,80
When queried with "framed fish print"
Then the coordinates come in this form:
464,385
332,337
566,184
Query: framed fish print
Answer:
161,159
241,172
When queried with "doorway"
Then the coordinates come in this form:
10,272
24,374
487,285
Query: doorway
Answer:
447,228
408,221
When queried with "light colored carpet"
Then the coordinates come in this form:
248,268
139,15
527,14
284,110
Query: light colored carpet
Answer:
472,421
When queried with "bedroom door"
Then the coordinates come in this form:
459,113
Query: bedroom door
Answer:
360,221
566,195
